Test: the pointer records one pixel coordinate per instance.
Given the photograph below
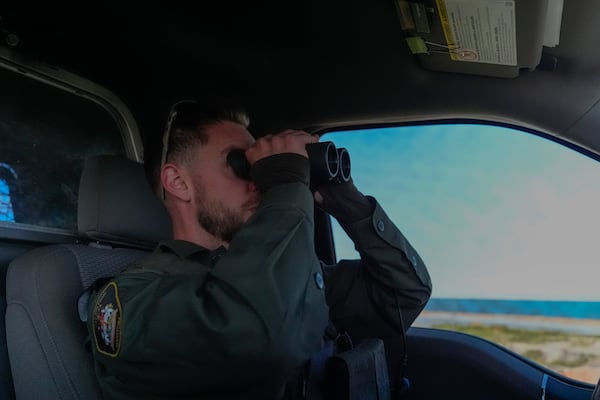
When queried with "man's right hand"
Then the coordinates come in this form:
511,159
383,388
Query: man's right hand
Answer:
289,141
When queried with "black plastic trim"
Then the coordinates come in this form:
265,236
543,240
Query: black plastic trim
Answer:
465,121
30,233
446,364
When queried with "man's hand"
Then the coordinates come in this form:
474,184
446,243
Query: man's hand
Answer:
289,141
319,198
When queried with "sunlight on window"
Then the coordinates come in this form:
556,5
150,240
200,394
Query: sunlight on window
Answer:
506,223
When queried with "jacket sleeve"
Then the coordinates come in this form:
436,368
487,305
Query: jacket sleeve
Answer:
260,308
390,280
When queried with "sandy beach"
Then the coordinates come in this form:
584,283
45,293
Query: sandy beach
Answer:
589,327
572,349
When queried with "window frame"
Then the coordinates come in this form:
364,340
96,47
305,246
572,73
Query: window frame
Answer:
88,90
327,235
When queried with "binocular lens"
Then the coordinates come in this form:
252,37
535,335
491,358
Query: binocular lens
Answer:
344,165
324,162
327,163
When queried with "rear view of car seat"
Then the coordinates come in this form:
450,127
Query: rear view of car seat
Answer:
122,220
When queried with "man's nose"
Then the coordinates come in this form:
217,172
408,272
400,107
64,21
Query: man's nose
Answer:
251,186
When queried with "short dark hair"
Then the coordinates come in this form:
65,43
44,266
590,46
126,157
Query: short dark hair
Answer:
186,127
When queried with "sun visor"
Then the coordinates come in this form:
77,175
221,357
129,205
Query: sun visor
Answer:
480,37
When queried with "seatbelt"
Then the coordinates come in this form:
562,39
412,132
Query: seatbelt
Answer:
308,380
315,381
334,342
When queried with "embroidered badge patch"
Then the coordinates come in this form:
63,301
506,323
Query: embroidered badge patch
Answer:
107,321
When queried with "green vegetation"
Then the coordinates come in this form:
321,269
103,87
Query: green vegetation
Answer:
531,343
505,335
575,361
535,355
570,361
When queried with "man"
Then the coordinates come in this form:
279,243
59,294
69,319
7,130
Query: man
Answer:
232,305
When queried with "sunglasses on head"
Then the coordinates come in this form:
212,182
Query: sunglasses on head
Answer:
178,110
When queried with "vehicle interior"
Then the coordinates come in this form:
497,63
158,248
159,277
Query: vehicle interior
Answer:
313,65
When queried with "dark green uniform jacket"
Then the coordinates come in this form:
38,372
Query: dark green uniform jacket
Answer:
186,322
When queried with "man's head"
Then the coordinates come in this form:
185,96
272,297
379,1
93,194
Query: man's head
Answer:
207,201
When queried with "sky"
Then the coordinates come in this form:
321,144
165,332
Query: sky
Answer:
494,212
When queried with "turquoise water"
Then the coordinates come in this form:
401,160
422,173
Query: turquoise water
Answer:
571,309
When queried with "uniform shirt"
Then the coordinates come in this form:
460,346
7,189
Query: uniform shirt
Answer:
186,322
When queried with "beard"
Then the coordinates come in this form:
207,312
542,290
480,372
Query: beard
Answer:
217,219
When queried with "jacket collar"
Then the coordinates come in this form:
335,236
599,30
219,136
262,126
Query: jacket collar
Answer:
191,251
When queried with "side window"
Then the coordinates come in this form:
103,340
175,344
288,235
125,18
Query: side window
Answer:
46,134
507,223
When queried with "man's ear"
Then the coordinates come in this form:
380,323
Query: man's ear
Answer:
176,182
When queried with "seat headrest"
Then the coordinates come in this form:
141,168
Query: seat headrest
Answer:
117,205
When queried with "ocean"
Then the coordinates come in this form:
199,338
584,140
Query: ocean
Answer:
546,308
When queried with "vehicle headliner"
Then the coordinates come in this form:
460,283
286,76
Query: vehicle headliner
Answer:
305,64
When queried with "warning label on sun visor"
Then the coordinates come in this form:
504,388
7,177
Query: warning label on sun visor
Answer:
481,31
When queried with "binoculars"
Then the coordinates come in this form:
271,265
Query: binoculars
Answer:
328,164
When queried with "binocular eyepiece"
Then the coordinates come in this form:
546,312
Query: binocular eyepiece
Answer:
328,164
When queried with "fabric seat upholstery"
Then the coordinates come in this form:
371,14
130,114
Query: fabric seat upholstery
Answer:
121,219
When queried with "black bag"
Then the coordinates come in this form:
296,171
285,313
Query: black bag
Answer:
358,374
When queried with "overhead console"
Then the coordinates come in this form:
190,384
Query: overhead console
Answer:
480,37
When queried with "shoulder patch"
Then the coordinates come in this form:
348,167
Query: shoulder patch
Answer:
107,315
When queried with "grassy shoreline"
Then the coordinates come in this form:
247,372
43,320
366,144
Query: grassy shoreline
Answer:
549,341
589,327
512,337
